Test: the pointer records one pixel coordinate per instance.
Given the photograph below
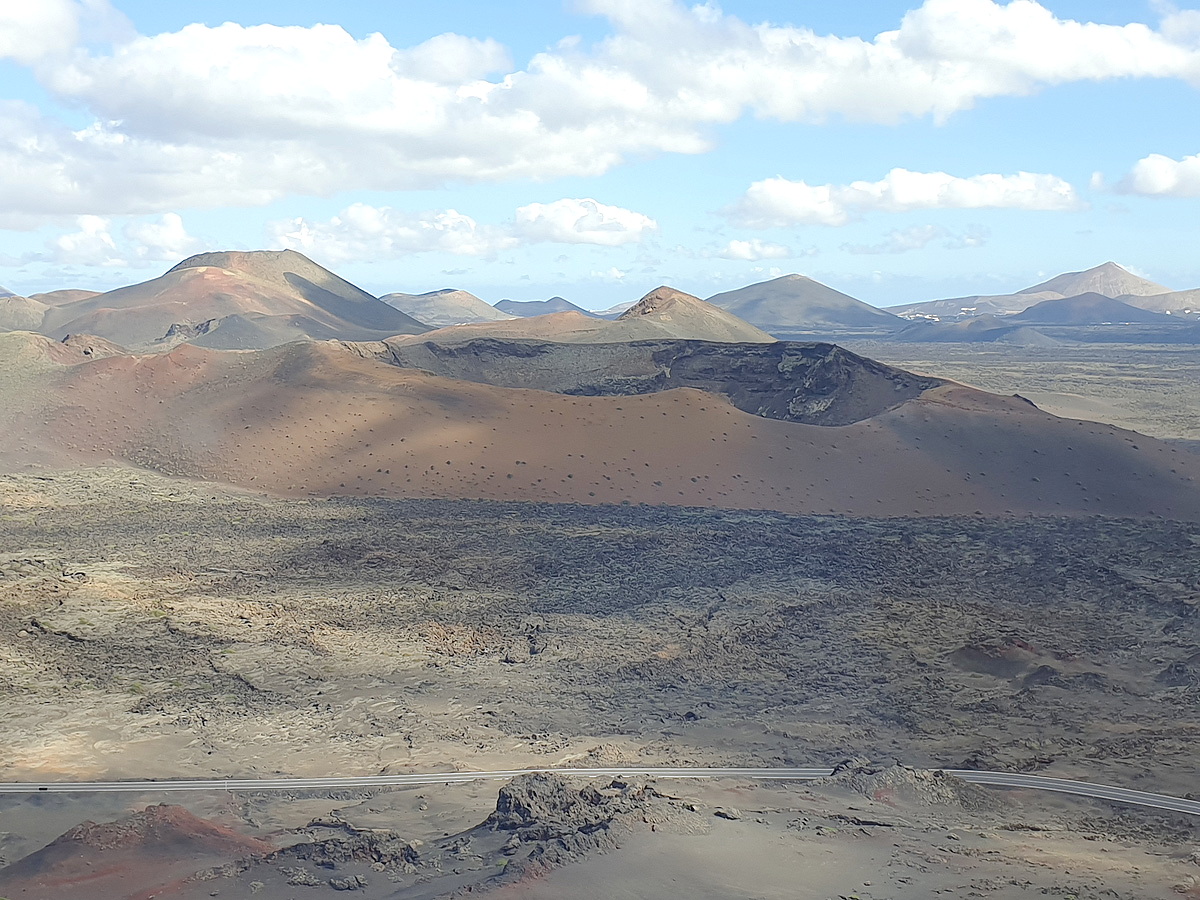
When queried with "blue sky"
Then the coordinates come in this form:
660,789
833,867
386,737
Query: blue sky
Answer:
595,149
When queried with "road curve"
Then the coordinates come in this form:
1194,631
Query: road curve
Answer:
989,779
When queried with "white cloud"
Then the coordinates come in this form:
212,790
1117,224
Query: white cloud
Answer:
363,232
778,202
41,31
612,274
1161,176
451,59
243,115
161,240
584,221
92,245
141,243
31,31
753,249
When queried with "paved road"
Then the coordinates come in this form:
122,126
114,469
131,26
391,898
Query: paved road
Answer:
991,779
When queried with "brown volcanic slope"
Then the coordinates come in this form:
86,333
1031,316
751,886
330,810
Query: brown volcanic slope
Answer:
681,315
135,858
21,313
67,295
663,314
322,419
258,286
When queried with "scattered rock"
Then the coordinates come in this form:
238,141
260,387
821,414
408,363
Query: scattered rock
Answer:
300,877
728,812
349,883
1178,674
383,847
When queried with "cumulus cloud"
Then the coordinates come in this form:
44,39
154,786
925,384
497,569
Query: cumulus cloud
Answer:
92,245
1161,176
778,202
47,31
242,115
363,232
139,242
753,249
163,239
585,221
32,31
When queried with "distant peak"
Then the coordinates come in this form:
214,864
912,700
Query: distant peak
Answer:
659,298
236,259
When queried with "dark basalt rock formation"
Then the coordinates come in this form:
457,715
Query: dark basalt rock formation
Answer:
812,383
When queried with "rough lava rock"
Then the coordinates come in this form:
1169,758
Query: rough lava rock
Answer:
896,784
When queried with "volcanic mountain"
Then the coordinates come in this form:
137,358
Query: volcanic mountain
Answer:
21,313
795,303
540,307
1107,279
667,312
664,313
146,854
272,295
445,307
801,428
1088,309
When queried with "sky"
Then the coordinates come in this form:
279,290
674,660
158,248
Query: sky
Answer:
594,149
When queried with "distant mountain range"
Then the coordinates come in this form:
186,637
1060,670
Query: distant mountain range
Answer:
260,299
1106,280
540,307
1088,309
446,307
662,314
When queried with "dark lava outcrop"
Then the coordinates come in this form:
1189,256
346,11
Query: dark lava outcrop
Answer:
811,383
